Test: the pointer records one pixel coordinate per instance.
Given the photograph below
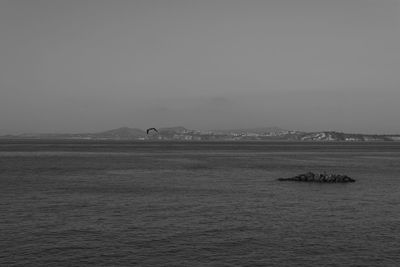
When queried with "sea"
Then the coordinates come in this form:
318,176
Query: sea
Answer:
141,203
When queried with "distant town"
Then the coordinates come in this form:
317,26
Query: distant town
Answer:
183,134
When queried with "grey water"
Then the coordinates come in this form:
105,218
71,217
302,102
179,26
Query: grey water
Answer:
119,203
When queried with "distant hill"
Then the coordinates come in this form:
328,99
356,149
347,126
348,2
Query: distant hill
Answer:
338,136
260,130
172,130
177,129
117,134
121,133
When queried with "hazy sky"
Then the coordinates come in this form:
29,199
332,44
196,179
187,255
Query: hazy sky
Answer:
81,65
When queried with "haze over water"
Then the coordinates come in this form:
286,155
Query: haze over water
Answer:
93,65
94,203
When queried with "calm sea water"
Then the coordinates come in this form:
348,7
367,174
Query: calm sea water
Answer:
74,203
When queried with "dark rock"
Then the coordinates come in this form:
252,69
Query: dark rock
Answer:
310,176
320,178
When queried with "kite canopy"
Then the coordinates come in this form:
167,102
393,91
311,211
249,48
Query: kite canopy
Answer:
151,129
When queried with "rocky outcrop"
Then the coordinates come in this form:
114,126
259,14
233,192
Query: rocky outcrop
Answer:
320,178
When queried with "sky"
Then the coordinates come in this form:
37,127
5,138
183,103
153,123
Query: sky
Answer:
94,65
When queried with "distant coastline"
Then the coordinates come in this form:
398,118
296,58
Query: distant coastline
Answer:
182,134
